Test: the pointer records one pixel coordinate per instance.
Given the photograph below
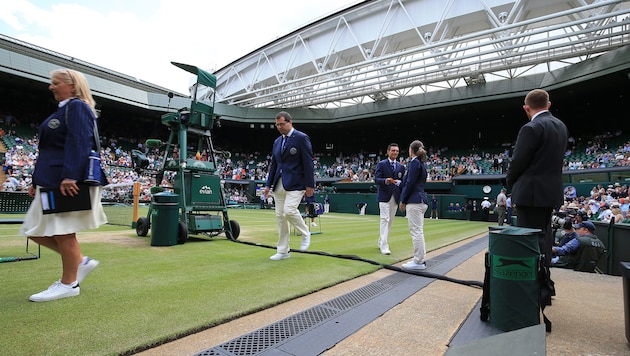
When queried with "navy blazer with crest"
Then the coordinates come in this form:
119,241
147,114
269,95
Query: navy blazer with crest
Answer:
381,173
294,164
413,183
65,142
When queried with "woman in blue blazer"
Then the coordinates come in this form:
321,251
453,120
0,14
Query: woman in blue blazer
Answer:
414,200
65,140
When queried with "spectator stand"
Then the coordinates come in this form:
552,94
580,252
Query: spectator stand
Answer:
16,203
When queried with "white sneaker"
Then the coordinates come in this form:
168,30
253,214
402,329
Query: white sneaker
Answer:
413,266
85,269
280,256
306,242
57,290
384,247
313,223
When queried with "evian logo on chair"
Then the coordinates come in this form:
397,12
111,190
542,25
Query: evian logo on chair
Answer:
205,190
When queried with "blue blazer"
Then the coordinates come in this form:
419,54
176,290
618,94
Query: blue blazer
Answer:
413,183
64,145
383,171
294,164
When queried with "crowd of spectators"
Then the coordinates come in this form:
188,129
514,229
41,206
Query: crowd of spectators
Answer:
602,204
442,164
360,167
597,154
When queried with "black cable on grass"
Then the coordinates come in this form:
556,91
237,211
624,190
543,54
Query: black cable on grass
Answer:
386,266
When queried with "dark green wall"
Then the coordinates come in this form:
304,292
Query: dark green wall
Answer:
475,192
347,203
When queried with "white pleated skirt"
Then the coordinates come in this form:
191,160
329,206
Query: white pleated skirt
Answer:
39,225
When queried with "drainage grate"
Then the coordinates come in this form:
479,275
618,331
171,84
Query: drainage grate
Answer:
362,294
262,339
276,333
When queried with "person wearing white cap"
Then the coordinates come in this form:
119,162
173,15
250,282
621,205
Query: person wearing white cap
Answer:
485,208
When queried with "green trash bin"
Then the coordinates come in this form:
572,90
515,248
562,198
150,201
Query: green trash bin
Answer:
514,293
164,219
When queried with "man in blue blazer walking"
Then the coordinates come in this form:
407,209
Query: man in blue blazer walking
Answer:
291,175
388,176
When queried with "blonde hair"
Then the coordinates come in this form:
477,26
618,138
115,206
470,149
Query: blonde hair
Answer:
81,87
418,149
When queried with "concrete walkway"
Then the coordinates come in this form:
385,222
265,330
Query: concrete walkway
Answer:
587,316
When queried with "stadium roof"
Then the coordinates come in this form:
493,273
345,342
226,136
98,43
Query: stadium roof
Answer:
392,70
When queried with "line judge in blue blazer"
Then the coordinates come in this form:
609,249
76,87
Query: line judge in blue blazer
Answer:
291,175
388,176
414,200
65,140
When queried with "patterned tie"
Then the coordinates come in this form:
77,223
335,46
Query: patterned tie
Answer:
393,166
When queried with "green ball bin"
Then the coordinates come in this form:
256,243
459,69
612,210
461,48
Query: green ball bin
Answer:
514,289
164,219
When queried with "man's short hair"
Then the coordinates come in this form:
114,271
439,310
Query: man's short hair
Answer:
285,115
537,99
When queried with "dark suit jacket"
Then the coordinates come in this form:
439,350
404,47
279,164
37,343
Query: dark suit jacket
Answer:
413,183
384,171
535,173
294,165
64,145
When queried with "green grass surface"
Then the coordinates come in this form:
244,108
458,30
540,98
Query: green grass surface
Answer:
142,295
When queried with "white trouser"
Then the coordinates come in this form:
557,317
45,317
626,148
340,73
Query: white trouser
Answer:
326,208
415,218
387,212
287,212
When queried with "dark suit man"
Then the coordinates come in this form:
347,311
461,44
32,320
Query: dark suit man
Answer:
291,175
535,173
388,176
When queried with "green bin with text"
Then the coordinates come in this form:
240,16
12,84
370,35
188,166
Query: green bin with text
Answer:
164,217
513,261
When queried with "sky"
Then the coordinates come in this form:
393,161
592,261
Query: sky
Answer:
141,37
